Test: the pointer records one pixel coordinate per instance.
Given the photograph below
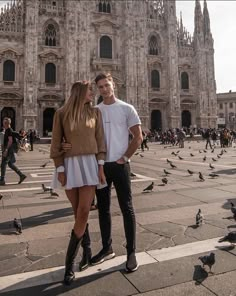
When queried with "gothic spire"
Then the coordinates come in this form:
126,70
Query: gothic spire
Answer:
198,19
206,20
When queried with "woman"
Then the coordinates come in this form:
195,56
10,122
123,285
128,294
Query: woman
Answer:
79,169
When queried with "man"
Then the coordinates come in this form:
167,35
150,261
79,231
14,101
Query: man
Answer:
31,139
8,157
119,118
208,138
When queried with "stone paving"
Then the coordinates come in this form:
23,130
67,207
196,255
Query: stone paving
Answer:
165,219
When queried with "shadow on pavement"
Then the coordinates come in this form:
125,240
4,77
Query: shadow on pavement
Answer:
41,219
57,288
199,274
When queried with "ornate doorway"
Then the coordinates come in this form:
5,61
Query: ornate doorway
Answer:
156,120
48,115
9,112
186,119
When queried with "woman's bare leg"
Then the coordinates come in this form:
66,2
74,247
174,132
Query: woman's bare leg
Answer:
73,196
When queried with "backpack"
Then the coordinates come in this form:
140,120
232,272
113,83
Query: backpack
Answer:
16,141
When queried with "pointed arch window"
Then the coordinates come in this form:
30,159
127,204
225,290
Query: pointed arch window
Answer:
50,73
184,81
9,71
50,35
153,46
105,47
155,79
104,6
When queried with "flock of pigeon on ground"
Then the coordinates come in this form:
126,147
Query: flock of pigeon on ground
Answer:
208,260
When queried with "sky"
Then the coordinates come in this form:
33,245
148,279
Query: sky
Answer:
223,27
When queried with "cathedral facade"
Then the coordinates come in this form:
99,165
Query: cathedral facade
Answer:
46,45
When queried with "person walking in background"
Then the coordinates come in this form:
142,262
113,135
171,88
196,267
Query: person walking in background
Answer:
119,118
208,138
31,139
8,155
80,168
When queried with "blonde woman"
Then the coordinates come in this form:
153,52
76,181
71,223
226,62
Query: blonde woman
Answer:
80,168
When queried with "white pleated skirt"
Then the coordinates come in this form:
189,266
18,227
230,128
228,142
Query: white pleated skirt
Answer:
80,171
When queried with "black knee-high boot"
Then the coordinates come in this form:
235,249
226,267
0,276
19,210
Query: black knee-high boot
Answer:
71,254
87,253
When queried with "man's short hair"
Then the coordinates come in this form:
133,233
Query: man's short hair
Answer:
103,76
7,119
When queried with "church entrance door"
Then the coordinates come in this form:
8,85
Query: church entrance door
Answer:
48,114
156,120
186,118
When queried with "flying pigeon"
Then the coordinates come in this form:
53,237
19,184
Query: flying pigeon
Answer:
199,218
45,188
53,193
164,181
213,175
172,165
208,260
166,172
17,225
211,166
230,237
204,158
149,187
201,177
181,158
190,172
44,165
214,159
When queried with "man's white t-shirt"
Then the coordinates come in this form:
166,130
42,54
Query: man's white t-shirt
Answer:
117,119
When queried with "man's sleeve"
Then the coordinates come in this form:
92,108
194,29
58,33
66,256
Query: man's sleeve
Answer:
133,118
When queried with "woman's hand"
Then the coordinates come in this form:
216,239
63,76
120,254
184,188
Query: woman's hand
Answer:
62,178
66,146
101,175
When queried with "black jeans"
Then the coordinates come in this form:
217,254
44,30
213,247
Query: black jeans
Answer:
119,174
9,160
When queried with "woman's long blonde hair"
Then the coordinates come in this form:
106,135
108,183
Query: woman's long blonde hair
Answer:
75,108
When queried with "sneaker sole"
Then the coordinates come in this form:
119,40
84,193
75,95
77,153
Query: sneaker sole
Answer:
108,257
132,270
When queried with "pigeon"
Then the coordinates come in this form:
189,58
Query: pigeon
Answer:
132,174
212,151
173,166
205,151
211,166
181,158
200,151
168,161
204,158
141,155
190,172
218,156
214,159
164,180
191,154
45,188
213,175
201,177
225,151
149,187
53,193
199,218
1,196
44,165
230,237
166,172
208,260
17,225
233,209
137,153
177,151
173,153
